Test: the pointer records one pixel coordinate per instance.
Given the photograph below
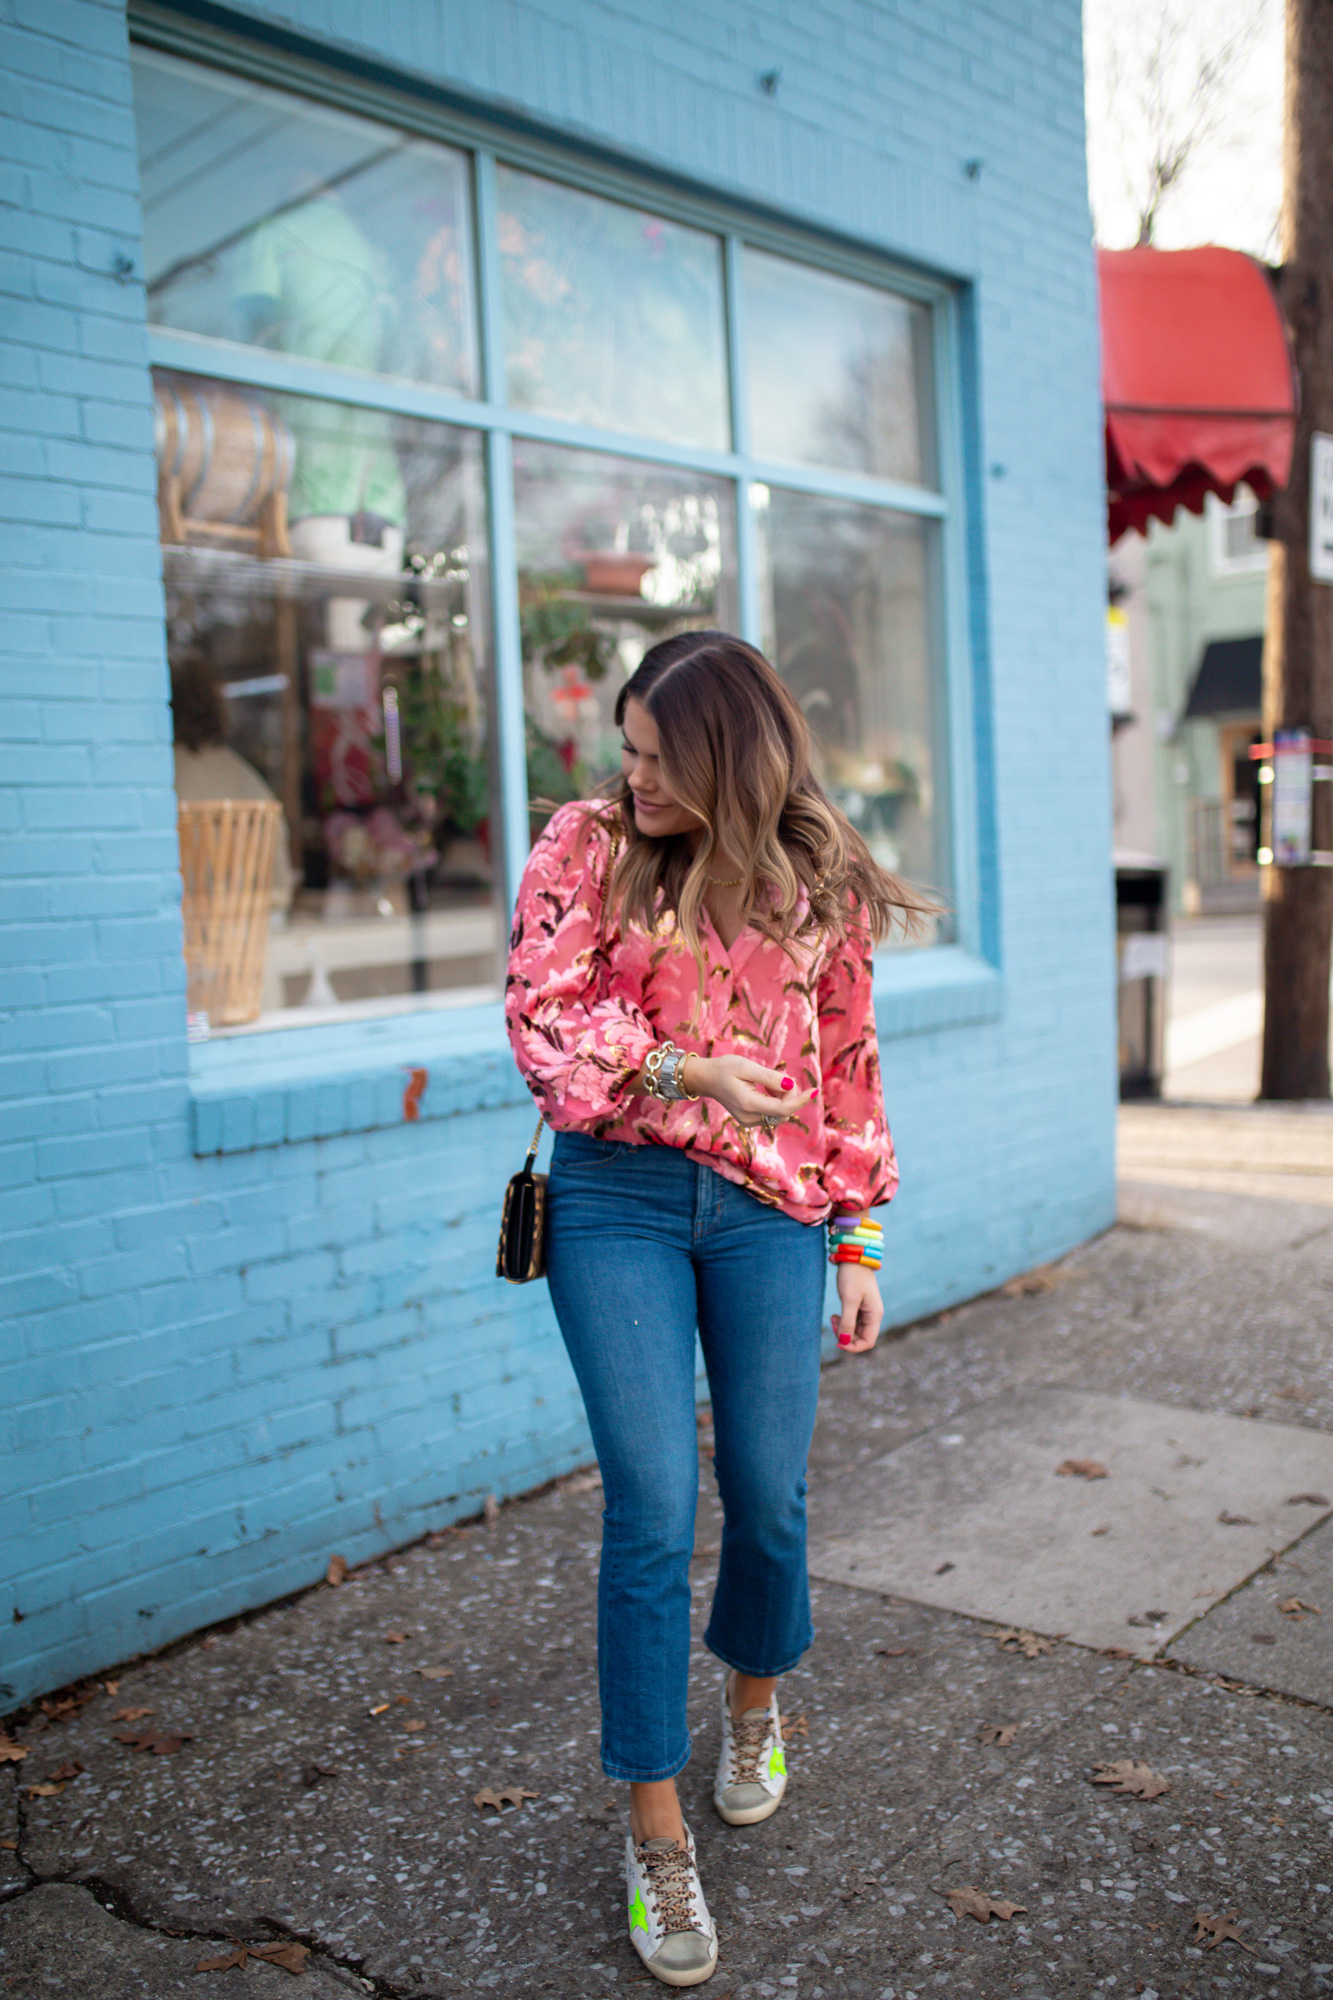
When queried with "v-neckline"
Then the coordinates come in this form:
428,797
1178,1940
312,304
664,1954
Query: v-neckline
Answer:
729,950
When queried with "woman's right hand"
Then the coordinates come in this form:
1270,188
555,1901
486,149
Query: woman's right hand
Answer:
751,1093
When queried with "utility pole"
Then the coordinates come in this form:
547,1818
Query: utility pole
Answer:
1298,648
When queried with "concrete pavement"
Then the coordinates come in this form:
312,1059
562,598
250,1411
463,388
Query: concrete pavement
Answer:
333,1746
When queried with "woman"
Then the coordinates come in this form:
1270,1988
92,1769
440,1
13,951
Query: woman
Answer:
689,1000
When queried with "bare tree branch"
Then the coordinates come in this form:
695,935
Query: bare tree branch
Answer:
1167,74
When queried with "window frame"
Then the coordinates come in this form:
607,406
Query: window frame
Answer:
270,59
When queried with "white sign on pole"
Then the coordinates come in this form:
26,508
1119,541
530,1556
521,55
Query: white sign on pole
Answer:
1293,768
1321,507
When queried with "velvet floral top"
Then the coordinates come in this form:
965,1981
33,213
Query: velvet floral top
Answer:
586,1002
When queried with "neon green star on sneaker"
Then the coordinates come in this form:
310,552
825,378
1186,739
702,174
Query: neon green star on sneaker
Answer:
752,1768
669,1924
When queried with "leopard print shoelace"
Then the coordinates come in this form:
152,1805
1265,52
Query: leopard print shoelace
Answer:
670,1879
749,1735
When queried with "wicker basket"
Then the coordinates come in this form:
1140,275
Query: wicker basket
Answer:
227,849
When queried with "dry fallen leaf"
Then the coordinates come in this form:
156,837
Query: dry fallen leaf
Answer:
413,1725
62,1776
435,1673
1229,1520
312,1773
132,1714
1081,1468
1309,1500
337,1570
893,1652
511,1795
1212,1931
289,1955
1138,1781
1293,1607
151,1740
793,1725
55,1706
43,1791
11,1846
1030,1283
396,1638
10,1751
976,1903
1029,1644
1001,1734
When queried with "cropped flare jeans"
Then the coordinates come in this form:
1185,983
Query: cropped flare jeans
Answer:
644,1246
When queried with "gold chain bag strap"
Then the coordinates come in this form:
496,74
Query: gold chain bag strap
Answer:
521,1255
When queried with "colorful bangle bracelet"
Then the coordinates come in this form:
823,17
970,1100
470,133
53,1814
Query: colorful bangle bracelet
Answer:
856,1240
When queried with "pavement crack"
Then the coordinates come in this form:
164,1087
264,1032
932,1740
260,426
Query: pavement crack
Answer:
113,1899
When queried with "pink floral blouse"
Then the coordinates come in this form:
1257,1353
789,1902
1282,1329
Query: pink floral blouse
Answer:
583,1009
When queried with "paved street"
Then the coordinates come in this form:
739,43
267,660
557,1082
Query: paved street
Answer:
318,1764
1215,1009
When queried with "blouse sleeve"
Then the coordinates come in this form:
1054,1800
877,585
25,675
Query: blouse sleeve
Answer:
860,1168
576,1038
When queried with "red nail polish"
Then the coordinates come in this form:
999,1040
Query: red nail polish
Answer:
844,1340
788,1083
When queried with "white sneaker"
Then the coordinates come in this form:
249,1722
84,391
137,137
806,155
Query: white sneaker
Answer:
669,1924
752,1769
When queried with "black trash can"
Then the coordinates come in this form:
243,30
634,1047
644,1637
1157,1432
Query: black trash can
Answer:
1141,963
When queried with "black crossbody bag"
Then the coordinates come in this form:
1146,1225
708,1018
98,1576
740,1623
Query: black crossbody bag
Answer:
522,1252
521,1255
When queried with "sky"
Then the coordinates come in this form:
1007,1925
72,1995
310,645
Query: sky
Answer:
1231,193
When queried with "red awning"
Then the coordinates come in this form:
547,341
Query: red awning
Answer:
1197,380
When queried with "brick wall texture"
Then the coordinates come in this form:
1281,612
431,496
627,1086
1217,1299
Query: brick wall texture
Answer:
217,1370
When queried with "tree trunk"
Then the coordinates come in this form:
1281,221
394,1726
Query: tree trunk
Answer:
1298,649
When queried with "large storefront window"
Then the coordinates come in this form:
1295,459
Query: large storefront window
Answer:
350,666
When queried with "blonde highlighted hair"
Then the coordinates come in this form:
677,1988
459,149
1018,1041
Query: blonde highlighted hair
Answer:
735,751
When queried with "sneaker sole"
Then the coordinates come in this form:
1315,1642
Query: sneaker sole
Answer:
679,1978
746,1815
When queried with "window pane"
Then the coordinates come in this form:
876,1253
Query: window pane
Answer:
612,556
339,664
273,221
838,373
850,623
612,317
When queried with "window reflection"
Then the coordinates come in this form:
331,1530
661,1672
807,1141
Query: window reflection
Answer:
850,623
613,556
612,316
278,223
327,649
838,373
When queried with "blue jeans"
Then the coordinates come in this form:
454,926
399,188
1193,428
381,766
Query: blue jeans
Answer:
643,1246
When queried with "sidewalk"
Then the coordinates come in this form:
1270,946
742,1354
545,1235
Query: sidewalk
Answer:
333,1747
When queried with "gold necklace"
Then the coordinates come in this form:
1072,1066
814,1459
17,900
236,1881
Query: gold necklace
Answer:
730,882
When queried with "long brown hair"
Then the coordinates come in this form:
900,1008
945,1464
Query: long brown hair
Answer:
735,751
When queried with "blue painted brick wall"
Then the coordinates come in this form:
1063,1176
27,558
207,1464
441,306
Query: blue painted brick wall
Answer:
218,1367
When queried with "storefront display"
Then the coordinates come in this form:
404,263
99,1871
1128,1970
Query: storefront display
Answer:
693,429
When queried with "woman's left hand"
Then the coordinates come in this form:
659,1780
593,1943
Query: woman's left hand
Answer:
857,1325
